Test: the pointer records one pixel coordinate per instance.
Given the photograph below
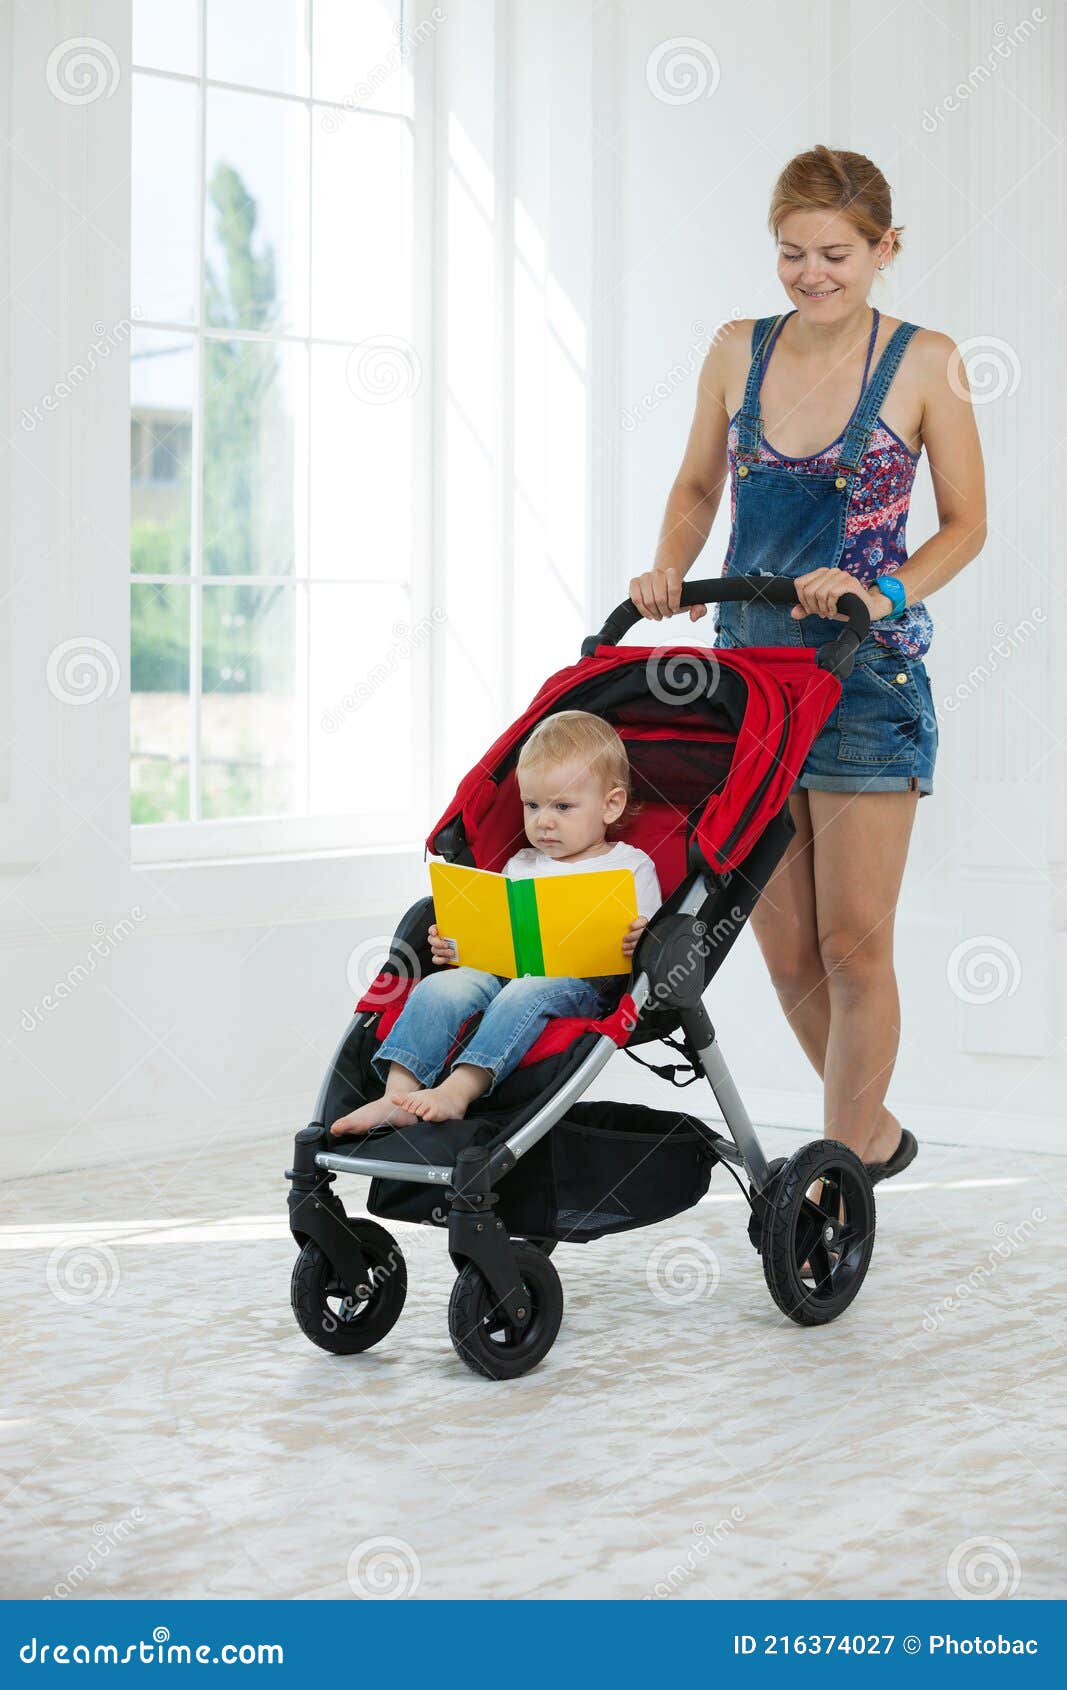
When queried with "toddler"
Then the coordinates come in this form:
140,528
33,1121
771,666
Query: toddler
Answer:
573,776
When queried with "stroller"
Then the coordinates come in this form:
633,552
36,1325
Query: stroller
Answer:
715,739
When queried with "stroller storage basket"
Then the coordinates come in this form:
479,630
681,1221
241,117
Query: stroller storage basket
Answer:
604,1167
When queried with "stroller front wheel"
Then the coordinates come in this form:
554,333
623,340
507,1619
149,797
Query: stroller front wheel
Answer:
816,1253
347,1321
481,1336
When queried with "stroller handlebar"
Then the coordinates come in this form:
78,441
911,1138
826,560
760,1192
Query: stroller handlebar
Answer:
836,655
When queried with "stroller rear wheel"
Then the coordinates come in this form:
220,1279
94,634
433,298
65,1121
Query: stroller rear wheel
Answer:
343,1320
484,1339
814,1261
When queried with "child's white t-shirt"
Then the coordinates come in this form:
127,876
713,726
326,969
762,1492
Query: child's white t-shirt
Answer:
649,897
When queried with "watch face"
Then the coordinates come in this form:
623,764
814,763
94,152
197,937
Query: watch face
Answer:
893,592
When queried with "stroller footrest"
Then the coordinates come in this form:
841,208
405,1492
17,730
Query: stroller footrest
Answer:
423,1173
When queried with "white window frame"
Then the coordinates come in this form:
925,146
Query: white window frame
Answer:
265,836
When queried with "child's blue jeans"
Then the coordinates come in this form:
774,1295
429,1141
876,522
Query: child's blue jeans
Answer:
514,1014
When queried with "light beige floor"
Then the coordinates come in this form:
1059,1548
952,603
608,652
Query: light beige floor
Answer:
169,1432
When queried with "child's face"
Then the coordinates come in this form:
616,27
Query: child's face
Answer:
566,809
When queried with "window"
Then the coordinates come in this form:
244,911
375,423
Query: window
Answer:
277,674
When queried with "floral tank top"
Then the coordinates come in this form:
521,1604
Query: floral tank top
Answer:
877,516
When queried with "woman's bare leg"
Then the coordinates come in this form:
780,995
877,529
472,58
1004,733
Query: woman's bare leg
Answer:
860,847
786,926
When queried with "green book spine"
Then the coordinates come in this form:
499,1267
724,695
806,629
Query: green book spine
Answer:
525,927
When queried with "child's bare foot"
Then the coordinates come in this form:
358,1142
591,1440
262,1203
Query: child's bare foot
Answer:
382,1112
447,1101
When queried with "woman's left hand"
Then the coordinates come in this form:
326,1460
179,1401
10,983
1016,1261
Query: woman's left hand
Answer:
819,591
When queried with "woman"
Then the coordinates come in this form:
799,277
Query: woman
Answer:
832,518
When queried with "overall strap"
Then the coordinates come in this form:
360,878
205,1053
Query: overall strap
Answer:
749,424
862,426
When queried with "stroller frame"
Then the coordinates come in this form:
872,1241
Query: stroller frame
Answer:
507,1282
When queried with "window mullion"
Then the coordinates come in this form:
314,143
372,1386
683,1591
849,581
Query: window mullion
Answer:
196,559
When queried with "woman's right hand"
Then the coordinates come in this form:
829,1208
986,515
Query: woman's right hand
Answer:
658,592
442,950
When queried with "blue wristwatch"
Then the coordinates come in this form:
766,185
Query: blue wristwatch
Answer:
894,592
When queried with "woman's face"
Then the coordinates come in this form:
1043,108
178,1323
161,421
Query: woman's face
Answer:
826,265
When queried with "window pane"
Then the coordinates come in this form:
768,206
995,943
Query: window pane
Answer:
255,456
159,703
361,223
256,214
161,427
361,461
165,34
363,658
250,731
360,57
163,199
262,43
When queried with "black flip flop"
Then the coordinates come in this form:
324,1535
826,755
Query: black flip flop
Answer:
902,1157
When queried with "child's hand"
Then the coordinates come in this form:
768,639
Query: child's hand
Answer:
633,934
442,950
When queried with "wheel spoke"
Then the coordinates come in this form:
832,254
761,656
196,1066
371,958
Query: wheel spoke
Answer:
822,1266
810,1223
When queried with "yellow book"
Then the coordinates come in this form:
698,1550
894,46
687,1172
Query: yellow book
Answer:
559,924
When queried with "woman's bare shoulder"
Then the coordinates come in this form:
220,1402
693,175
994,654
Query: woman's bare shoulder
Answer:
728,358
733,338
927,347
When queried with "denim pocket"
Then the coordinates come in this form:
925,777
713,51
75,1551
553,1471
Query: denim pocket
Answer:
881,710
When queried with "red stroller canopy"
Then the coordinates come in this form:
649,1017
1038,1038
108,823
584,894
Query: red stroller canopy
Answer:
716,739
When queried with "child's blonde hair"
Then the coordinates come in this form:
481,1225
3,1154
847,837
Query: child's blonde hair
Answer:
577,736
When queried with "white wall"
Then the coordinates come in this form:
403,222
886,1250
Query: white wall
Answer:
582,227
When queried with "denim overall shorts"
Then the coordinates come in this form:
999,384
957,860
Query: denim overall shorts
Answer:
882,734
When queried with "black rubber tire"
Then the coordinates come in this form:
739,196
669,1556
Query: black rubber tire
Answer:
504,1352
545,1245
792,1233
755,1216
326,1312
